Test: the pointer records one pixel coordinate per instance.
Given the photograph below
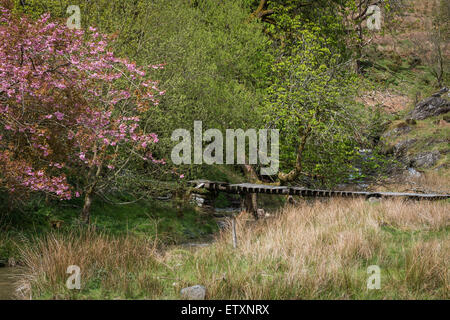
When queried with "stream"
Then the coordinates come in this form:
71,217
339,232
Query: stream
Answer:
7,279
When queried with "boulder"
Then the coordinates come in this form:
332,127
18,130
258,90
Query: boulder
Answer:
374,199
260,213
425,159
432,106
413,172
196,292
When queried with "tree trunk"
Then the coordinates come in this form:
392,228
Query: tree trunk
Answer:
86,213
93,176
250,199
294,173
360,39
249,204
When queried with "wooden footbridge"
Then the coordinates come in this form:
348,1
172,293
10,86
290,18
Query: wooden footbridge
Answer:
248,193
246,188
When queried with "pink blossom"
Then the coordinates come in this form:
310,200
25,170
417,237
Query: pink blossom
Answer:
67,83
59,115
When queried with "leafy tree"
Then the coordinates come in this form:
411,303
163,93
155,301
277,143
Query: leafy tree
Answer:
342,22
439,38
357,13
310,101
283,18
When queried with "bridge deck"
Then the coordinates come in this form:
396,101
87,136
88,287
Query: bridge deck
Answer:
243,188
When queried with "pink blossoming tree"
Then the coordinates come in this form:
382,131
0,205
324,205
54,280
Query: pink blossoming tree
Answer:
68,108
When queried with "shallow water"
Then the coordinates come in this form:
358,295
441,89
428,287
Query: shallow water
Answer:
7,279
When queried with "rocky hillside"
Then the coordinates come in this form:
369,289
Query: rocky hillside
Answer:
402,62
421,140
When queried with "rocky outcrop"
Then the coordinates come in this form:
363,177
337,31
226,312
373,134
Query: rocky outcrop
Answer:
196,292
406,142
399,130
400,149
432,106
425,159
421,160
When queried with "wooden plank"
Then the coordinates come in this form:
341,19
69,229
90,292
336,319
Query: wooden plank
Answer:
242,188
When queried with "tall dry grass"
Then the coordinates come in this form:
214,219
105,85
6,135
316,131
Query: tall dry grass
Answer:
427,267
413,215
435,181
323,250
108,260
315,250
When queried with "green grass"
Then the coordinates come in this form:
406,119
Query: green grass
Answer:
149,219
153,218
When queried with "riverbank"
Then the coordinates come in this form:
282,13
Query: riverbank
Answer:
317,250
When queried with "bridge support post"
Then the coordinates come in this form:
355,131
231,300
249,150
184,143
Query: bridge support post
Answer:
249,203
233,231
